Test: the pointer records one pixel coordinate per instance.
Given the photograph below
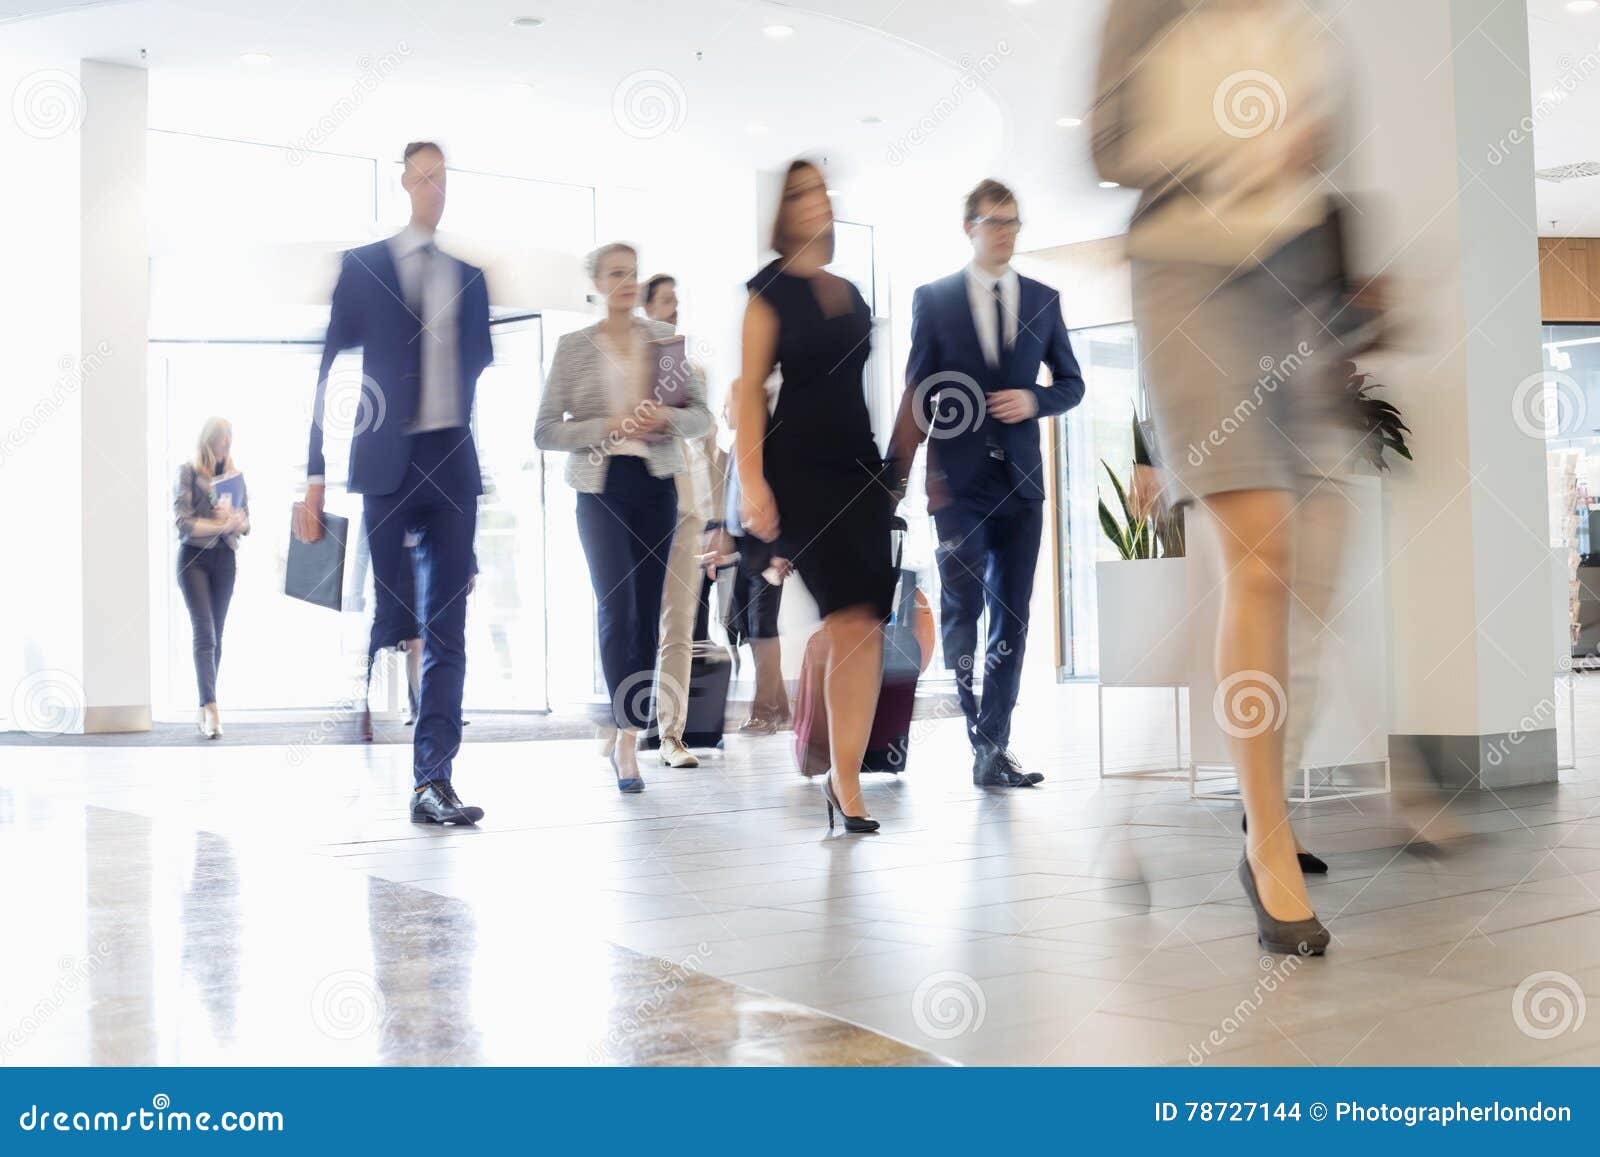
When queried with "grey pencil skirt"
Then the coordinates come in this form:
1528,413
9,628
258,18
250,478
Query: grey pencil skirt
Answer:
1244,379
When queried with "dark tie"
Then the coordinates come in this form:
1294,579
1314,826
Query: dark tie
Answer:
991,434
419,291
1000,344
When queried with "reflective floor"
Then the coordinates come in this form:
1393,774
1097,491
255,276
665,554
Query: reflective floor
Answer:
270,905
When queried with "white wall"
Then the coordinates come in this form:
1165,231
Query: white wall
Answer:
656,193
1435,84
41,669
115,312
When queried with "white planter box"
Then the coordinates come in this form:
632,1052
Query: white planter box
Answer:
1145,635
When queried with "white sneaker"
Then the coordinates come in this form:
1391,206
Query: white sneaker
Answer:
675,754
203,724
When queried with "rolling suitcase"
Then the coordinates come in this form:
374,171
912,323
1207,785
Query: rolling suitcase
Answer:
905,653
809,714
890,740
709,674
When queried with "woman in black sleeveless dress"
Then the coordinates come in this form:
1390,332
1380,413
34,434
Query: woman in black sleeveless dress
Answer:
811,475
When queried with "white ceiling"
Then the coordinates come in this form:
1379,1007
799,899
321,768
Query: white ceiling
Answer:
1564,55
989,79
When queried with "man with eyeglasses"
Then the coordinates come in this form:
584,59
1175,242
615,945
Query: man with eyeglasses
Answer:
978,340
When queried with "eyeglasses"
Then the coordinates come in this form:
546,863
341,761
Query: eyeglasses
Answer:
1003,223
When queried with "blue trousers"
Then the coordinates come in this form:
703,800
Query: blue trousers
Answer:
438,500
988,550
626,531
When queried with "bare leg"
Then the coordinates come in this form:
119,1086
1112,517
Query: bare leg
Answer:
1252,660
771,700
855,670
1318,552
627,753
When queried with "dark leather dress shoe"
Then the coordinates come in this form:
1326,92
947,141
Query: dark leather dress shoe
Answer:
995,768
438,804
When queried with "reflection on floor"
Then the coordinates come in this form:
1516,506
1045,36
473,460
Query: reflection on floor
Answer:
172,947
270,905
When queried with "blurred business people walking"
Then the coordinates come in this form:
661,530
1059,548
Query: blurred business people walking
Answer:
755,600
212,509
700,491
421,318
978,340
811,476
625,450
1234,270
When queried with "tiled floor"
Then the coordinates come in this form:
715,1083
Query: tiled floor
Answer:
270,905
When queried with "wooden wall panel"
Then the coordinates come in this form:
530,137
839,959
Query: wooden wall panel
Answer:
1569,278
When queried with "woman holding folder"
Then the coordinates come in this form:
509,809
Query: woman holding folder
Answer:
212,509
619,402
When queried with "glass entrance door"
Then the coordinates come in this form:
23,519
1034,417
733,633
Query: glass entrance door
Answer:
281,654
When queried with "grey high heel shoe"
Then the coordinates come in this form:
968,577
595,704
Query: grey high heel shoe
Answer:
1290,937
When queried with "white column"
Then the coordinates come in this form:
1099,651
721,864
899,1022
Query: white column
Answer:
115,312
75,632
1440,85
41,687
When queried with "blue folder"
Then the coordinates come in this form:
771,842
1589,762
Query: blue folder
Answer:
315,572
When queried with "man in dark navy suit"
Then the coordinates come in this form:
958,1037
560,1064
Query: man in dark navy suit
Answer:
978,338
421,318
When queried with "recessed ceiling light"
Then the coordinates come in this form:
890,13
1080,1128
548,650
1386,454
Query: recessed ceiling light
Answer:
1074,122
255,57
1109,185
778,31
872,119
834,192
527,21
1581,6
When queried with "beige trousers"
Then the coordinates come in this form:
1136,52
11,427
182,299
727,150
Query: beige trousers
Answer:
678,605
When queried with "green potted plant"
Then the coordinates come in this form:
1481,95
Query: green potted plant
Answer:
1150,527
1142,596
1381,424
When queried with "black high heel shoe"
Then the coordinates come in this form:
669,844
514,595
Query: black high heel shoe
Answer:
1310,863
1290,937
851,823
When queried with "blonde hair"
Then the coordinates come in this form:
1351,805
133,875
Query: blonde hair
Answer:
205,458
591,263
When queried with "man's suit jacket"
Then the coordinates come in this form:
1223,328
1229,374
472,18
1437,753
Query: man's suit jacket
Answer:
370,311
947,376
